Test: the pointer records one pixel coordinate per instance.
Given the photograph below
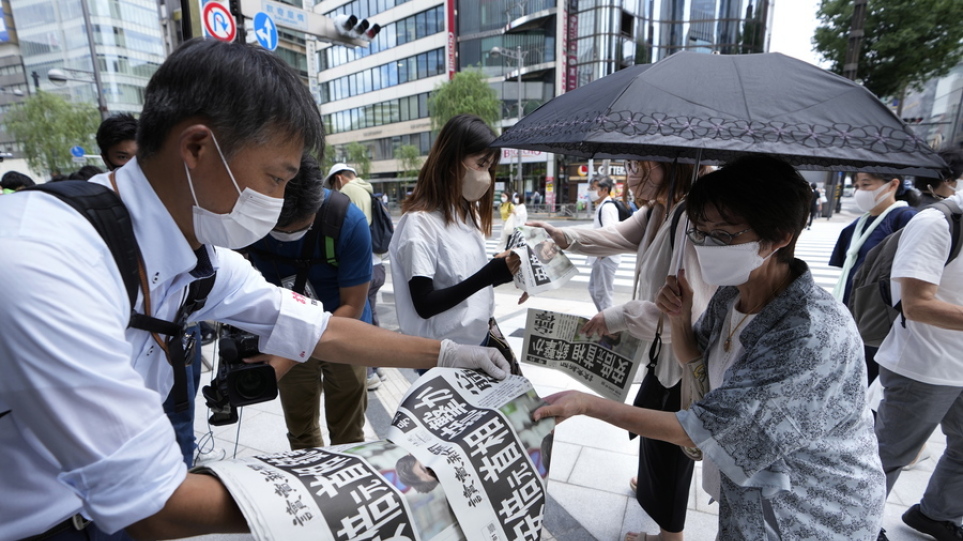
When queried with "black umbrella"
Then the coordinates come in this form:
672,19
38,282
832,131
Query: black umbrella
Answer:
713,108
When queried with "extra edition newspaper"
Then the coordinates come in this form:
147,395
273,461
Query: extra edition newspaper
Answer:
605,364
465,461
544,266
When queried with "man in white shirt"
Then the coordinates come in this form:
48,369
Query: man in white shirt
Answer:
82,432
921,370
601,284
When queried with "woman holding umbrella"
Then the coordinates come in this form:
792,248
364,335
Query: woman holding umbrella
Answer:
665,473
784,428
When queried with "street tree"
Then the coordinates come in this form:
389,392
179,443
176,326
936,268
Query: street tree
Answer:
358,156
467,92
47,126
329,158
410,159
905,42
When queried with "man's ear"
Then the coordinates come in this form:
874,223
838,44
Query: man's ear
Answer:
194,143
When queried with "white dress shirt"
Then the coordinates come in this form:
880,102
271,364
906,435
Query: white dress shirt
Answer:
86,431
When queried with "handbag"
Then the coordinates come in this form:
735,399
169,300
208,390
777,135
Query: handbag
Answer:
695,385
498,341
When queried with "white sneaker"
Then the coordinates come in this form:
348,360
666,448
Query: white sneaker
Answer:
381,373
374,382
215,454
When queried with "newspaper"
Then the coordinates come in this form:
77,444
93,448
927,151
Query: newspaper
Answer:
605,364
466,462
544,266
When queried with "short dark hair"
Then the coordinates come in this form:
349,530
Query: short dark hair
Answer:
954,170
405,468
15,180
245,93
86,172
604,183
115,129
766,192
304,195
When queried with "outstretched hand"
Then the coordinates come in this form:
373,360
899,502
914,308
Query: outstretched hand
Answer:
596,325
512,260
488,360
675,297
562,406
557,235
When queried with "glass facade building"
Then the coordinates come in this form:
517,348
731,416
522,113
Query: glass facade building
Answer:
129,46
377,95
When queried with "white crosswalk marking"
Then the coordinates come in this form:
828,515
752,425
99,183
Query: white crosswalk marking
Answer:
814,247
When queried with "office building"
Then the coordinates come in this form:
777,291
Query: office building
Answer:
378,95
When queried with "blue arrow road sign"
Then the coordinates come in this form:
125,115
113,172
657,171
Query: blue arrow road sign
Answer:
266,31
77,151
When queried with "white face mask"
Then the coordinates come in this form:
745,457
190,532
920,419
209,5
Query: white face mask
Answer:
729,265
475,184
866,200
254,215
293,236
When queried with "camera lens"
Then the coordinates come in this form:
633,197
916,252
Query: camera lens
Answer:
250,384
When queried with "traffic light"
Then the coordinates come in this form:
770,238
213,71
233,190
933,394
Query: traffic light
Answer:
349,26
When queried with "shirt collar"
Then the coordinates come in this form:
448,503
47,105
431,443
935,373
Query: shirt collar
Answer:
166,252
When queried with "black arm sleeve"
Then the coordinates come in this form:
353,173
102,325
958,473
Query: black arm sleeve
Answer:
430,302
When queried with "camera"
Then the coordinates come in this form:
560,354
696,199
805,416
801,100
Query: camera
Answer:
238,383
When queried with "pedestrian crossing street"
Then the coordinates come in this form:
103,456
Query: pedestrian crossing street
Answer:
814,246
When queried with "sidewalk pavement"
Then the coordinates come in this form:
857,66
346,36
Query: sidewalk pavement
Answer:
592,462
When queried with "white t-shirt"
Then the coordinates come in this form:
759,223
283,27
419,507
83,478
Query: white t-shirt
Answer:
606,215
923,352
423,246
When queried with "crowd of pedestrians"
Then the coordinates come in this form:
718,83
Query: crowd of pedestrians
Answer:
221,188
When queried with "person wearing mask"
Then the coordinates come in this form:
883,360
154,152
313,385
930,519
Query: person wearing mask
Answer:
934,189
345,179
601,285
784,430
886,206
117,140
82,431
665,472
442,275
342,287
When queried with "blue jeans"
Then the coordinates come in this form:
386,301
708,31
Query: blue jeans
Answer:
183,422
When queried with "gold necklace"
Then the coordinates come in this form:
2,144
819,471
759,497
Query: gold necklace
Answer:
727,345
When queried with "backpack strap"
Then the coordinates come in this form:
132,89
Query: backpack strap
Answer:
953,215
103,208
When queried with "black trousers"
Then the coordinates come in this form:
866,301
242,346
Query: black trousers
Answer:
665,473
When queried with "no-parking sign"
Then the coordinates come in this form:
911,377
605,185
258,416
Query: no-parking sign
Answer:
218,21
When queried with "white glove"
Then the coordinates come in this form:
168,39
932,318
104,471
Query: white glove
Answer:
488,360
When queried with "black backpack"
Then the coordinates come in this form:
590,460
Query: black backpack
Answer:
327,225
624,211
103,208
382,228
870,298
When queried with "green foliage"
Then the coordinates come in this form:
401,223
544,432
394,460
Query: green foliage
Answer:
48,126
467,92
330,158
410,158
359,158
905,43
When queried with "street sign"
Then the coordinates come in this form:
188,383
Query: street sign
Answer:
77,151
218,21
266,31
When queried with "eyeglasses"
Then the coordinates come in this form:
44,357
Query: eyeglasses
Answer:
716,237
